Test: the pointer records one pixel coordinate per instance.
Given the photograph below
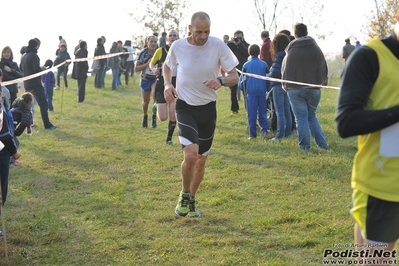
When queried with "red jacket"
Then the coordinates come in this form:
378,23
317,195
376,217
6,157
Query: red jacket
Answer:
265,52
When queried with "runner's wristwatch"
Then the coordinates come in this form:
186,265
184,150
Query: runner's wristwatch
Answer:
222,80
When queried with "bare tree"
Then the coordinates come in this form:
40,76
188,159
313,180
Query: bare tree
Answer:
160,15
261,9
383,18
308,12
272,13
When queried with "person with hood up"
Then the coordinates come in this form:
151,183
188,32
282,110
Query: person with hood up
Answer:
30,64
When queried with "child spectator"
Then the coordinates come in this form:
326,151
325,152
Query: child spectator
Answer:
49,82
23,117
22,114
255,91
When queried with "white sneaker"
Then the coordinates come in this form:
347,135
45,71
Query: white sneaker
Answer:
274,140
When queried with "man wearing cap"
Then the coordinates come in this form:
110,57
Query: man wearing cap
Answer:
30,64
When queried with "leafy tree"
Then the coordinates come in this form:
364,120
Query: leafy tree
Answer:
160,15
383,18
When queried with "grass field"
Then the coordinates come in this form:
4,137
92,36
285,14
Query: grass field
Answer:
101,190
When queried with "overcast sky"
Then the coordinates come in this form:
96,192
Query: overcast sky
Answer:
88,20
340,18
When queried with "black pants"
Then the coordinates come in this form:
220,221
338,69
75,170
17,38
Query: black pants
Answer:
38,93
233,96
129,71
81,89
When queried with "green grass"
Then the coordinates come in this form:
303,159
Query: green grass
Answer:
101,190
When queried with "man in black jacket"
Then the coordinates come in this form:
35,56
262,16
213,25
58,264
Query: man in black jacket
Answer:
30,64
305,62
347,49
239,47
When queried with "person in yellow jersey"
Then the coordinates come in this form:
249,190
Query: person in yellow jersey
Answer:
164,109
368,107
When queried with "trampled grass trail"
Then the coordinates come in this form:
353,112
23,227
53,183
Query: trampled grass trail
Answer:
101,190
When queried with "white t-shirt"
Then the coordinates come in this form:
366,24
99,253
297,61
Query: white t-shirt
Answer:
196,64
131,51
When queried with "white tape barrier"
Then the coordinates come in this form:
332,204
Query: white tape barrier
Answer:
117,54
287,81
61,64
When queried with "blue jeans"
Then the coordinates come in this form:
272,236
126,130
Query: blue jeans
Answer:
256,106
283,112
99,78
115,75
49,97
304,102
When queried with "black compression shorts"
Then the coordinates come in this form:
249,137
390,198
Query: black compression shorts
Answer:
160,88
196,124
